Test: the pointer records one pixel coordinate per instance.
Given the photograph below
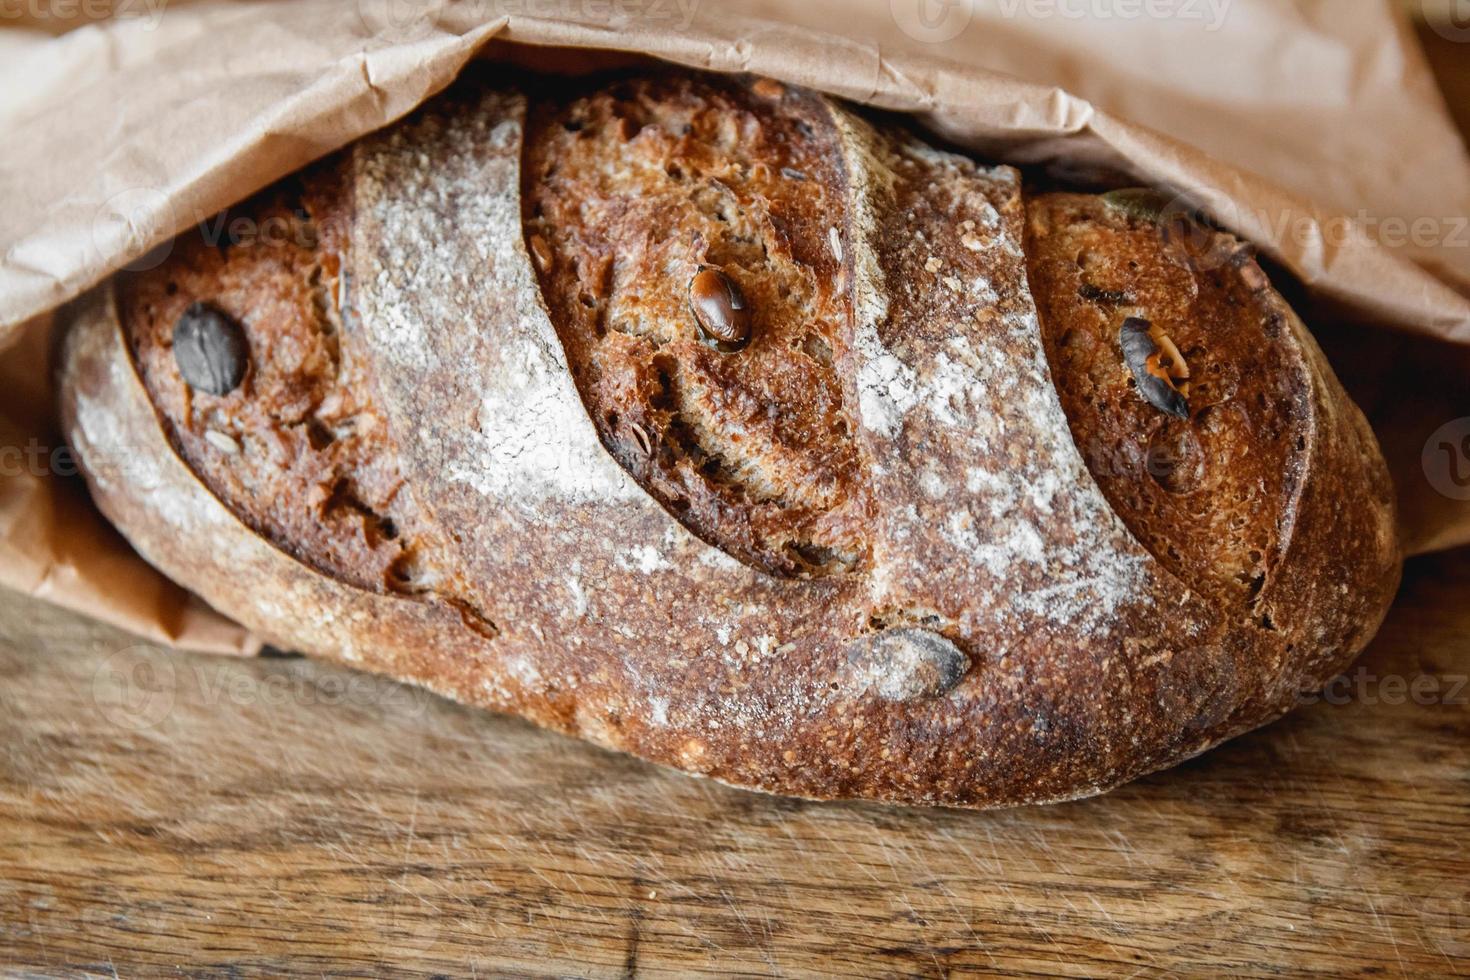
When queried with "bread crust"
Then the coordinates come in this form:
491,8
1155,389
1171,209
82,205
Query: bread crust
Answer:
752,452
1010,641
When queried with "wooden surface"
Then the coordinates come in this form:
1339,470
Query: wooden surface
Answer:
160,811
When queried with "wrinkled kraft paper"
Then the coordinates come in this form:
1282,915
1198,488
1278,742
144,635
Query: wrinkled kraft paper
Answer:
1312,128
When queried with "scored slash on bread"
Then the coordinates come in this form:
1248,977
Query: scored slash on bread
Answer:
914,537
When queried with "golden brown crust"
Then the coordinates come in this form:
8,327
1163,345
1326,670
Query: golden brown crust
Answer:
1215,496
141,482
1005,639
298,449
1207,494
634,188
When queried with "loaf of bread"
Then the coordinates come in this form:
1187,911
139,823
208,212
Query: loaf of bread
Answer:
716,422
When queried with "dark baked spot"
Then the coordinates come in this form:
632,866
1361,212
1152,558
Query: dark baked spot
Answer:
474,620
1207,493
746,442
1106,296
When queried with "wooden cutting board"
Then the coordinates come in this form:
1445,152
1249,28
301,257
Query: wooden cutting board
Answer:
162,811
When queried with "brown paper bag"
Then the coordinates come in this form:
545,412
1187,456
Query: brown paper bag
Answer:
1312,130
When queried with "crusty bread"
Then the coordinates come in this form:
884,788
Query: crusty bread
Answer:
632,190
1215,497
484,444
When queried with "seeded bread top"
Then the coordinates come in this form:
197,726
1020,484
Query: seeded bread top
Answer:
1209,494
629,192
298,448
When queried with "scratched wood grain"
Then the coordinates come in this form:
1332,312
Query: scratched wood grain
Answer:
163,812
